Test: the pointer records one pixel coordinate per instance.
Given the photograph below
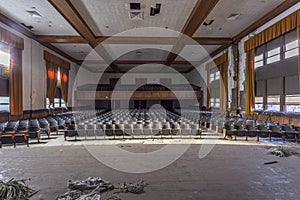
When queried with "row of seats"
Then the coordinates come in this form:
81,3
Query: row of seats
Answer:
136,123
259,129
21,131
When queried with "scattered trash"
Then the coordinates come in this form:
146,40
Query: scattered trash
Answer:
280,151
94,188
15,190
269,163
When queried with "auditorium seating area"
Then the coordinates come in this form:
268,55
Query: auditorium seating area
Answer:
137,123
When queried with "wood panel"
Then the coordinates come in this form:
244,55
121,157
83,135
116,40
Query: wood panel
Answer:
67,10
201,10
137,95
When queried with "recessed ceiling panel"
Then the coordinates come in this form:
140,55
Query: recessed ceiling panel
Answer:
77,51
113,16
138,51
230,17
39,14
193,53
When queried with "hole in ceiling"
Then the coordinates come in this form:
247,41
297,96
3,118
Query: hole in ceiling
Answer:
28,26
136,15
233,16
154,10
208,22
135,6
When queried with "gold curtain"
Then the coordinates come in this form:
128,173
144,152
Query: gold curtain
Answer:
64,73
250,82
223,86
221,61
51,81
285,25
15,82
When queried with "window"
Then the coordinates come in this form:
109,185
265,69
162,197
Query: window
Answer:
291,49
217,75
212,77
273,103
215,102
4,103
292,103
273,55
259,103
259,61
58,103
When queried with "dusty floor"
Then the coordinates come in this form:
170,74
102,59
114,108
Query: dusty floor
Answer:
232,170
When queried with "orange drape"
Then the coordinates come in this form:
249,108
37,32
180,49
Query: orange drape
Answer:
15,82
250,82
51,81
64,83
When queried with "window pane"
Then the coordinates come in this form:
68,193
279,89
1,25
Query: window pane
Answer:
273,59
258,64
258,58
217,75
259,106
272,107
274,52
63,104
4,103
292,108
291,53
212,77
292,99
4,58
274,99
259,100
291,45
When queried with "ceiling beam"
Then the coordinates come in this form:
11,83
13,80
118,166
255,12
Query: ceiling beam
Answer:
12,24
67,10
254,26
201,10
135,40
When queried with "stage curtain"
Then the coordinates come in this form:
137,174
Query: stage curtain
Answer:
64,83
15,82
51,80
250,82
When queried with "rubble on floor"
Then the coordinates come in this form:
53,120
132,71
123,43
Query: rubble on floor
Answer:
94,187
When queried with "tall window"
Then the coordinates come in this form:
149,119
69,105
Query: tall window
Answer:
291,49
4,79
58,101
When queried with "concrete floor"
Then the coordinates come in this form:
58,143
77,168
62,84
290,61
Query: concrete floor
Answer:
232,170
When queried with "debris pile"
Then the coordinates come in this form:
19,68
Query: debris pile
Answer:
94,188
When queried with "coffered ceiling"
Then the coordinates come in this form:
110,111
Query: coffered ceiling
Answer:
75,27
